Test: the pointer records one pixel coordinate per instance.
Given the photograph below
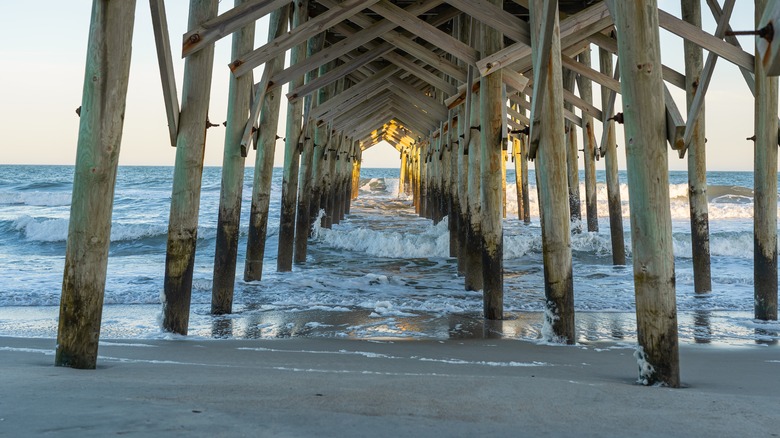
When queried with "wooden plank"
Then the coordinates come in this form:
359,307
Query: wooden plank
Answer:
232,185
675,125
421,29
514,80
591,74
709,42
337,13
97,155
223,25
187,177
165,60
354,91
647,164
414,96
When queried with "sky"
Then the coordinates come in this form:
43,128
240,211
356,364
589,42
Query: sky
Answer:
43,52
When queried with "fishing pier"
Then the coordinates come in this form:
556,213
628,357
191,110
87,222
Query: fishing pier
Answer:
461,89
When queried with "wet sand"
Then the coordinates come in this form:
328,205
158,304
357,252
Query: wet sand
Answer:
340,387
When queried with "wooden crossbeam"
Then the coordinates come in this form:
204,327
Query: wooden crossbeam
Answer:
670,75
227,23
354,91
497,18
708,42
378,29
705,77
340,71
590,73
416,98
165,60
675,125
326,20
425,31
573,29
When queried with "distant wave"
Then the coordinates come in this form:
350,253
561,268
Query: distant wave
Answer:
432,242
38,199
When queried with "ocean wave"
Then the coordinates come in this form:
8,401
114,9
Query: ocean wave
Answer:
36,199
56,230
433,241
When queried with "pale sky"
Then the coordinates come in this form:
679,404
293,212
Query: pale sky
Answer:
43,52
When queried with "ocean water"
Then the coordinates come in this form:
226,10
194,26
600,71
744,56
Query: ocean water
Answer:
382,273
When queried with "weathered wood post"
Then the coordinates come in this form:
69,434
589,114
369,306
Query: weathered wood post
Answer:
473,267
589,147
609,151
639,52
518,176
452,190
308,162
491,103
765,201
100,134
572,157
524,170
697,162
463,178
185,200
229,219
292,145
402,178
330,208
552,184
265,140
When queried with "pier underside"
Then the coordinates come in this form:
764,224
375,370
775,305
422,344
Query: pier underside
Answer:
461,89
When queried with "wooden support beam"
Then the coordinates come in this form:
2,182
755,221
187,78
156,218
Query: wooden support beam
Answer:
765,193
589,145
407,92
223,25
421,29
492,133
265,139
381,29
97,155
697,159
165,60
572,30
497,18
340,71
670,75
185,198
609,152
709,42
675,125
572,157
337,13
542,50
704,78
232,186
651,225
292,148
551,176
354,92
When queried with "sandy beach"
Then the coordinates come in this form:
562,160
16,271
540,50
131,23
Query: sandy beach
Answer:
331,387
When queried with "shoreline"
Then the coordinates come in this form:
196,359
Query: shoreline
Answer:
342,387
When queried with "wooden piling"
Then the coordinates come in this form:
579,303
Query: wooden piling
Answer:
229,219
589,147
473,262
572,157
492,121
611,168
516,156
651,225
552,178
765,193
306,174
97,154
185,200
265,140
697,162
524,170
292,147
403,178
